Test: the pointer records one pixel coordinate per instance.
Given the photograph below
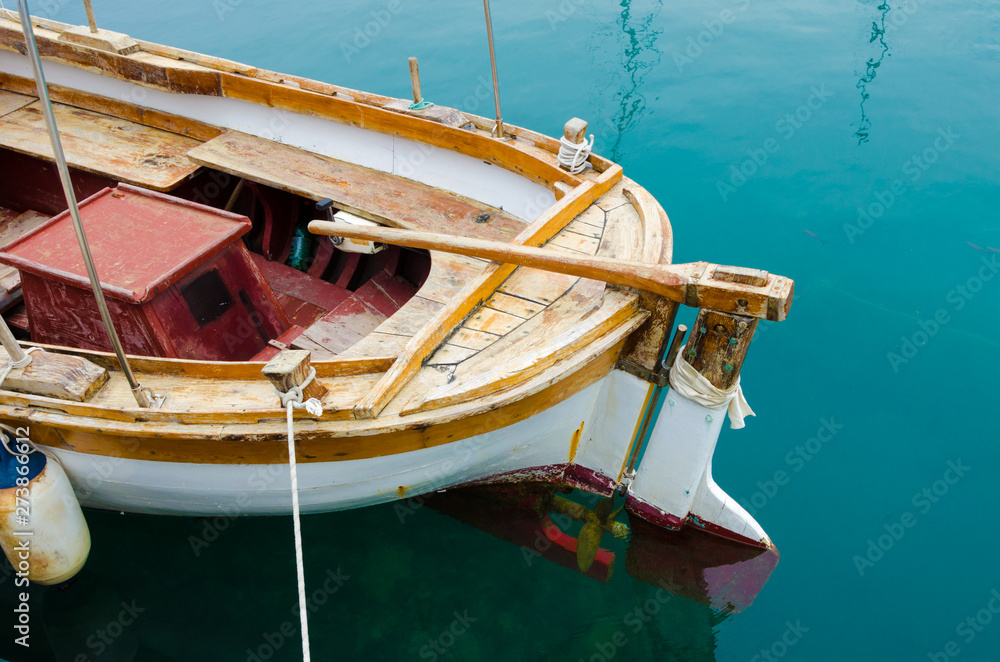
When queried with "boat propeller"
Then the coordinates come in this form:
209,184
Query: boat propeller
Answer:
595,523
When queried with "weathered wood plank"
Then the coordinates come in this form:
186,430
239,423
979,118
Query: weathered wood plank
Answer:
472,339
56,376
377,343
409,319
493,321
575,242
102,144
718,345
291,369
449,274
658,236
371,194
524,308
11,101
585,230
537,285
623,235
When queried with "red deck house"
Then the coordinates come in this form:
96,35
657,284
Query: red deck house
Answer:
178,280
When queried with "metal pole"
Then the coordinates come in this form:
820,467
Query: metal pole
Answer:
90,16
142,396
18,357
498,129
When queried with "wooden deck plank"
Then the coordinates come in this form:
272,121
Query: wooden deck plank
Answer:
449,354
512,305
377,344
11,101
585,229
449,274
537,285
493,321
116,148
592,216
411,317
292,282
372,194
472,339
575,242
623,235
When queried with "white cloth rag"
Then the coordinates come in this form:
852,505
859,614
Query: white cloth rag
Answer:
692,385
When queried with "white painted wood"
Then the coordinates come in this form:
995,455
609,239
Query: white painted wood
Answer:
675,474
605,443
431,165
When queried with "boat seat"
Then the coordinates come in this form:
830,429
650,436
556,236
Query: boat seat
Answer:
378,196
359,315
123,150
304,298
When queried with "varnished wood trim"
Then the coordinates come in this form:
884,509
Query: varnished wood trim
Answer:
237,370
658,236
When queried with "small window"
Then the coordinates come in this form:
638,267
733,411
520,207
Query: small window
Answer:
207,297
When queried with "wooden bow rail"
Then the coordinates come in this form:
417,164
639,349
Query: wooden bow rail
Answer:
736,290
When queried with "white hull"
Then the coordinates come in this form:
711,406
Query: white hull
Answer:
674,479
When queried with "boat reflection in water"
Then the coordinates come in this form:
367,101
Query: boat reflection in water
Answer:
690,563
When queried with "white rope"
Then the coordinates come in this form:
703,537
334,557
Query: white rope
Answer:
292,400
11,364
691,384
573,156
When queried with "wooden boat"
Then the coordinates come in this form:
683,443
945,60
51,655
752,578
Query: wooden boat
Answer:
522,340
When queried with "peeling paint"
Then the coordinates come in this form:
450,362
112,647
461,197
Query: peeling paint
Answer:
575,441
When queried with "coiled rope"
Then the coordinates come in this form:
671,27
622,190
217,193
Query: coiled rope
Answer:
573,156
292,400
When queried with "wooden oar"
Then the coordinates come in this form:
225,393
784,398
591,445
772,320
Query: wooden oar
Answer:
701,285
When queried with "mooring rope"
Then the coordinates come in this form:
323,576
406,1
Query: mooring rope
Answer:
292,401
573,156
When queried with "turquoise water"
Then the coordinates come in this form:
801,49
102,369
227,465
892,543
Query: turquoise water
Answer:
763,128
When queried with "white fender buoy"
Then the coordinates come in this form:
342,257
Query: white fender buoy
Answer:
42,529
